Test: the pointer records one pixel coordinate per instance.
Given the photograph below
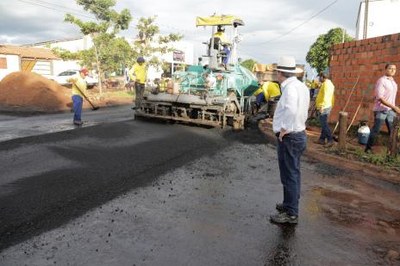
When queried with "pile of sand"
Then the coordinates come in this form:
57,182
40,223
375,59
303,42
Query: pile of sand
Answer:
31,92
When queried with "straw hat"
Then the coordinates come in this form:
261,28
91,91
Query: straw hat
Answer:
288,64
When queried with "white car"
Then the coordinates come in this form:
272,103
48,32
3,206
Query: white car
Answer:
63,77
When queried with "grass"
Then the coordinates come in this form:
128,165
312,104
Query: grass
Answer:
379,159
120,94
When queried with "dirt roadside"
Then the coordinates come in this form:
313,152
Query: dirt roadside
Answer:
317,152
29,93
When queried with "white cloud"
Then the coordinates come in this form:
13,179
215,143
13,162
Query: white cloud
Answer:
265,34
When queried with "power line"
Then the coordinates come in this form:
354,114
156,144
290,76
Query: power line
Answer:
62,9
301,24
61,6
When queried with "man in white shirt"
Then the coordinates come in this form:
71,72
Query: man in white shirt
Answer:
289,125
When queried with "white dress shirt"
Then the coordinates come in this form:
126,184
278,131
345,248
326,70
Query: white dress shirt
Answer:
292,110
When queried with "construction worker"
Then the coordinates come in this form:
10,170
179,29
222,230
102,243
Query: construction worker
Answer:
221,35
268,91
79,87
221,43
323,105
138,74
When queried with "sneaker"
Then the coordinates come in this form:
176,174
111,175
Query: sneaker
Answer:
279,207
133,107
78,123
284,218
368,150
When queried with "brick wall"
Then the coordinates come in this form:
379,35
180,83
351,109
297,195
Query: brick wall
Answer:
358,65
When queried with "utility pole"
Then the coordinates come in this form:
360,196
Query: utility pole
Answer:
343,33
366,3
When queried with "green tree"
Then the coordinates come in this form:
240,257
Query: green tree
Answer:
318,55
248,63
108,52
150,44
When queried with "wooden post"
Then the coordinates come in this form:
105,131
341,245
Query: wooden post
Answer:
392,145
342,130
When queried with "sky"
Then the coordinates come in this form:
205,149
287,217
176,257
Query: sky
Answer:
273,28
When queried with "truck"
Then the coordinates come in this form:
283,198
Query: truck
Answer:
216,92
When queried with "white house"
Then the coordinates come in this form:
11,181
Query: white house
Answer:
17,58
383,18
72,45
183,53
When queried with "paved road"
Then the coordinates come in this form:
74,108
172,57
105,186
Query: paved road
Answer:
131,192
13,127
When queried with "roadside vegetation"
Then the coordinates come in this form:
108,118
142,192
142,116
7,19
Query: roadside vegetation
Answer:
110,53
355,151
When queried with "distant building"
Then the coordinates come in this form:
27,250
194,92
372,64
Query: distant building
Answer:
16,58
383,18
183,53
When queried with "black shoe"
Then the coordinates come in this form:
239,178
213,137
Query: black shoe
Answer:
279,207
133,107
284,218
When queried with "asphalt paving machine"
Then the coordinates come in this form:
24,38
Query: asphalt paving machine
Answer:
214,92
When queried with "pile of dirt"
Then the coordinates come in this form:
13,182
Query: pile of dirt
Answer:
31,92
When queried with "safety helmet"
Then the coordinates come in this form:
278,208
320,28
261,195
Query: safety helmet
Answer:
140,59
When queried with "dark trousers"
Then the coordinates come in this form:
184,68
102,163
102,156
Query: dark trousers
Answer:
139,90
77,103
326,133
380,117
290,150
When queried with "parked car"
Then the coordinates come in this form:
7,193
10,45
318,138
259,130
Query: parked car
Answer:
63,77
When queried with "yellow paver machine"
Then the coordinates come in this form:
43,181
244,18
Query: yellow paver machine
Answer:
216,91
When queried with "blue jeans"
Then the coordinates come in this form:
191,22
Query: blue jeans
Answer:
325,130
260,99
380,117
290,150
77,103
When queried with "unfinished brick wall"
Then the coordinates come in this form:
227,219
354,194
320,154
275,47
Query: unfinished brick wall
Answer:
358,65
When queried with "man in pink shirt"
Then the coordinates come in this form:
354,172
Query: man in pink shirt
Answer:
385,108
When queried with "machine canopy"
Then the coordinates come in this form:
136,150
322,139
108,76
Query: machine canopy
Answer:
219,20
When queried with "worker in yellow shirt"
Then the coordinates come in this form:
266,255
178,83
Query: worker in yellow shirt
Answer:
221,35
78,89
138,74
269,92
323,104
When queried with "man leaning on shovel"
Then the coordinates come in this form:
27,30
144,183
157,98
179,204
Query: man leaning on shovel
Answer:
78,92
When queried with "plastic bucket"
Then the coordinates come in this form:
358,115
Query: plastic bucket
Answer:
363,138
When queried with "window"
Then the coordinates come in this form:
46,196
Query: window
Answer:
3,63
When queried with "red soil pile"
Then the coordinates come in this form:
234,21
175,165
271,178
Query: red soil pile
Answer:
31,92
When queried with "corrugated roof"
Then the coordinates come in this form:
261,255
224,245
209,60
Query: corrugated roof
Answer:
28,52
